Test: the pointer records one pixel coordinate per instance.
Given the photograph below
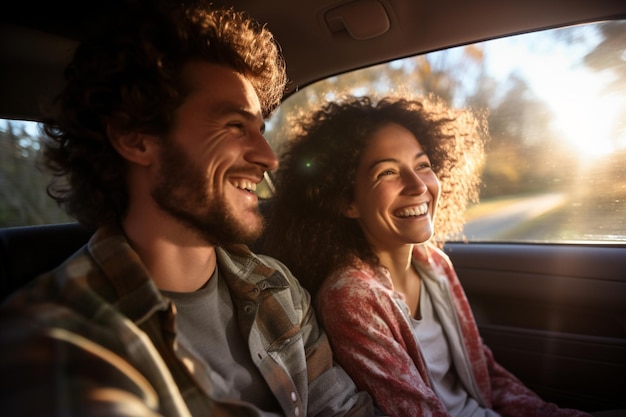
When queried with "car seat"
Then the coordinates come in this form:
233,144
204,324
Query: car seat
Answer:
28,251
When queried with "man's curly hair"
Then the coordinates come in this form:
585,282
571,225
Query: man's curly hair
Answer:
128,77
306,226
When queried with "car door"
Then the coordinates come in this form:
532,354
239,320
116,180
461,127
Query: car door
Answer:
553,314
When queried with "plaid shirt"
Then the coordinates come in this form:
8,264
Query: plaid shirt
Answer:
96,337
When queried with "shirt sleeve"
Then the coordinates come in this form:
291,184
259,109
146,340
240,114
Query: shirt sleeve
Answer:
53,371
331,391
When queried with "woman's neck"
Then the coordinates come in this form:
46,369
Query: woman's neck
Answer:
404,277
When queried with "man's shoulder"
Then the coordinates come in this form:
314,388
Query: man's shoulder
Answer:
258,270
255,263
50,301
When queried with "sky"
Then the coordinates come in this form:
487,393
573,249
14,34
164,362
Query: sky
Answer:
585,112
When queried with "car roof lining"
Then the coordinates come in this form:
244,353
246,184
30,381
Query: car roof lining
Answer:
37,37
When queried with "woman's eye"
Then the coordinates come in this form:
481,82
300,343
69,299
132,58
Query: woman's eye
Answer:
386,173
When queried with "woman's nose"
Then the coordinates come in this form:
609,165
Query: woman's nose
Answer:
414,184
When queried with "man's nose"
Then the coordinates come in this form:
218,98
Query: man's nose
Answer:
262,153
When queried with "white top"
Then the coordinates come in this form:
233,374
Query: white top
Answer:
435,348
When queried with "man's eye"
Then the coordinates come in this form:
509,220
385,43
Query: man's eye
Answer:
238,126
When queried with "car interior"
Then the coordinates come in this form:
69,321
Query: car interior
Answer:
553,313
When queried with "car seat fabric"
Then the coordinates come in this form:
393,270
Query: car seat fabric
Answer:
28,251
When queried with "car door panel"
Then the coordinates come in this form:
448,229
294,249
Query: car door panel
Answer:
554,315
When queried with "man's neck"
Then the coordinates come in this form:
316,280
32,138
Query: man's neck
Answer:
176,257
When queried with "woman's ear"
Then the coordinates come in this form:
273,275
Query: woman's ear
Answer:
351,211
133,146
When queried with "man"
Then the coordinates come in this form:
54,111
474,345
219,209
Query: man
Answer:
158,141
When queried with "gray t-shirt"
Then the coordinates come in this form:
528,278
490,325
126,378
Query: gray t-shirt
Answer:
207,326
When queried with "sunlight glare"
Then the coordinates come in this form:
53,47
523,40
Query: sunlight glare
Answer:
586,118
585,113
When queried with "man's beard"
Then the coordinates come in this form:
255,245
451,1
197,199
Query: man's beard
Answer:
181,191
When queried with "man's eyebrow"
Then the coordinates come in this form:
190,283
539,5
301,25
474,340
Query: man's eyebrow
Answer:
382,161
225,110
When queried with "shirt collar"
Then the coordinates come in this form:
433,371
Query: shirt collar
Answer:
137,297
246,274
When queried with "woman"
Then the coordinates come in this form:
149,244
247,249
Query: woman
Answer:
365,197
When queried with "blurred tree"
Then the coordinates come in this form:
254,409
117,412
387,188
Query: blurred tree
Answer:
23,197
610,53
609,56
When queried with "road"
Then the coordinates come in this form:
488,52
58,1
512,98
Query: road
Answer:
502,219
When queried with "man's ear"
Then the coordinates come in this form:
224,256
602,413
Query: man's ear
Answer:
133,146
350,211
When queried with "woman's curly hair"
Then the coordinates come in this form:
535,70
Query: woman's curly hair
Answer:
306,226
128,77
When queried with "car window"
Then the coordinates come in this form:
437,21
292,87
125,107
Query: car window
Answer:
24,200
556,108
23,181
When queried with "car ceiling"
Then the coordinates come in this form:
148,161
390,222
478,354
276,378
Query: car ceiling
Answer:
319,38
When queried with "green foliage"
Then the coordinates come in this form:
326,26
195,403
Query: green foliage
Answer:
23,198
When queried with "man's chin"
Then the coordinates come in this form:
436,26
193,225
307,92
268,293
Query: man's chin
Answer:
246,232
252,232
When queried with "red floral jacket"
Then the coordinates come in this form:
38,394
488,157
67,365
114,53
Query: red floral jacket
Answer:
372,339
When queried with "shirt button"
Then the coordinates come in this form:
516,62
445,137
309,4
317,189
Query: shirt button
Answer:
293,397
296,411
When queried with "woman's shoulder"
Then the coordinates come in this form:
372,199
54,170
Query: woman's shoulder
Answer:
357,280
352,293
